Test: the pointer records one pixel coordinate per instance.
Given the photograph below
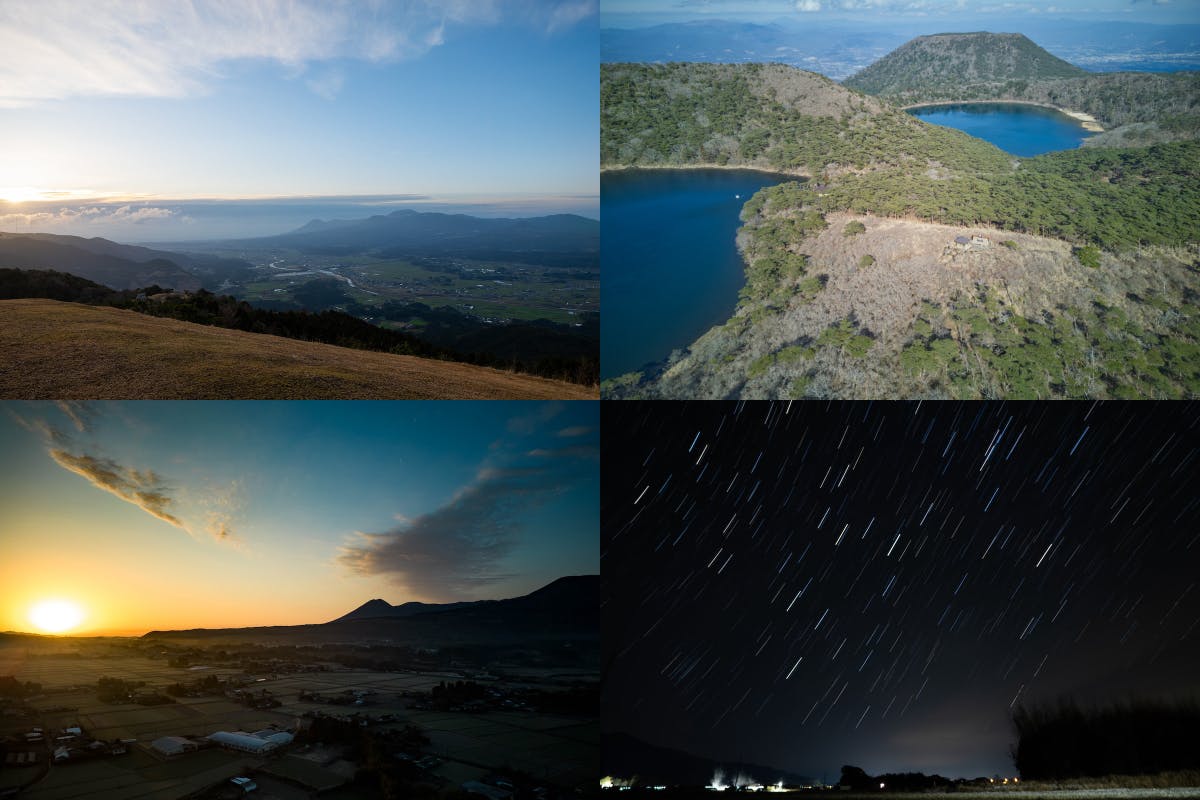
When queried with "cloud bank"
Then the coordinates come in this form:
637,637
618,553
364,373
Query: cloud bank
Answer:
463,547
53,49
455,550
65,219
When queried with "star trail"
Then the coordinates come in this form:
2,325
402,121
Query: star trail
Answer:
806,585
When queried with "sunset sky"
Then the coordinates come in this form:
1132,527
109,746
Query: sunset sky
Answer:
226,514
132,104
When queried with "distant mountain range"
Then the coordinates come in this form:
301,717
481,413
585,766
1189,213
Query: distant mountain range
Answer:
626,756
566,609
555,240
559,240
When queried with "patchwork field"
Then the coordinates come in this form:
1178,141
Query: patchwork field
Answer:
558,749
140,775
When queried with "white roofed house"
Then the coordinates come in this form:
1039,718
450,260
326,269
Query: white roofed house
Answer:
260,742
173,745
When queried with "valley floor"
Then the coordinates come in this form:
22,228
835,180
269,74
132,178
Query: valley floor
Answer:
50,349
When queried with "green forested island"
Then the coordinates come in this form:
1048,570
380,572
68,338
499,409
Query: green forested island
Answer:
917,261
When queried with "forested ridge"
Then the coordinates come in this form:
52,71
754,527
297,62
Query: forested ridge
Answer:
768,116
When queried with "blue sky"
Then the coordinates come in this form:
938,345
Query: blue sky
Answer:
139,102
286,513
633,13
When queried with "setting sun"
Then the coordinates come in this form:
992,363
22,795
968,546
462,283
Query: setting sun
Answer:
20,194
56,616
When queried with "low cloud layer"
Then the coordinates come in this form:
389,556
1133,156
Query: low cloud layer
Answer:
54,50
75,218
456,550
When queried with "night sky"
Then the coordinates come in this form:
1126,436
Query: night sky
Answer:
806,585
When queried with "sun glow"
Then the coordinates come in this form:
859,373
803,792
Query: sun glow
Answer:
20,194
56,616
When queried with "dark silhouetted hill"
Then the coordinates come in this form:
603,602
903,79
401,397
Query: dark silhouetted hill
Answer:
567,609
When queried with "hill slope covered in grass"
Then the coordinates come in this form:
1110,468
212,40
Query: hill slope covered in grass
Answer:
51,349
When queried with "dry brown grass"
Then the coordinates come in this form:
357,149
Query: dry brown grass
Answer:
64,351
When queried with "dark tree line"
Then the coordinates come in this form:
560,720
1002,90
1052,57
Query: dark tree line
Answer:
1067,741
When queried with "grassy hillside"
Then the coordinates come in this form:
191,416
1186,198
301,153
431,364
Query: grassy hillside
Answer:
50,349
949,61
768,116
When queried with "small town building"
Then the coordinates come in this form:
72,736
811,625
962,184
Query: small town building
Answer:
173,745
247,742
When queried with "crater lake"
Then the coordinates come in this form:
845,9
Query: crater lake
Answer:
1017,128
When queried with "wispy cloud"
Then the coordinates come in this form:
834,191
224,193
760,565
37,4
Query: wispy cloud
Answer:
327,84
53,49
454,551
79,453
144,488
80,414
574,431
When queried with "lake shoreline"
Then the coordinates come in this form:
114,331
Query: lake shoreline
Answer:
679,271
1090,123
767,171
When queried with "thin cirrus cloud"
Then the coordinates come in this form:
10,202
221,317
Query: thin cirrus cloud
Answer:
459,548
144,488
52,50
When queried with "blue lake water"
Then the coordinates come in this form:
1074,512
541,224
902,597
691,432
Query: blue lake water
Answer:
1015,128
669,258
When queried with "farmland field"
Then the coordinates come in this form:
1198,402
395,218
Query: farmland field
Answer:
559,749
489,290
